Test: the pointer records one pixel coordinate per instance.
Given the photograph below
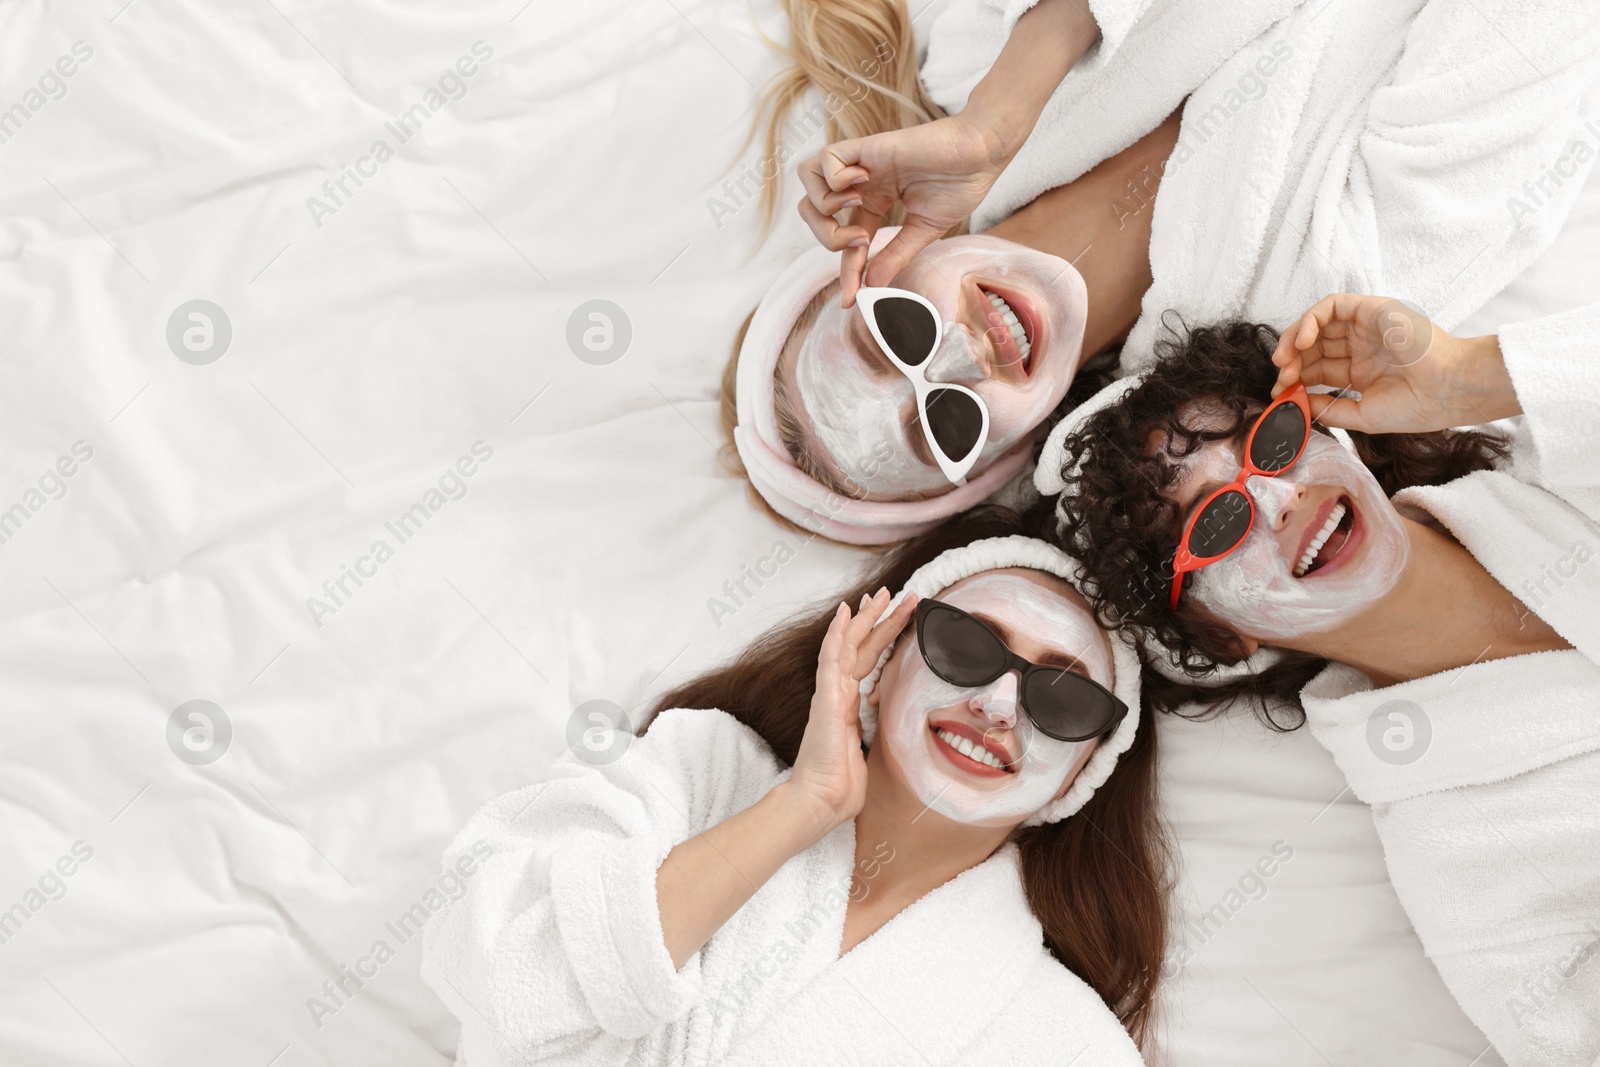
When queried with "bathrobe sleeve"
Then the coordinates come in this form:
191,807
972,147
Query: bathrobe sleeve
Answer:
1482,782
1483,779
1554,364
1485,97
556,946
1151,55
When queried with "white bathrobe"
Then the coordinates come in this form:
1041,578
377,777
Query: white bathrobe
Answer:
556,955
1492,833
1424,149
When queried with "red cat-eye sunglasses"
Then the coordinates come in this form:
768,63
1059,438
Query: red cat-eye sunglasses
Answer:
1221,521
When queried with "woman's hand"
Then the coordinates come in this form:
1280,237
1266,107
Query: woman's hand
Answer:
1413,377
707,878
940,171
830,770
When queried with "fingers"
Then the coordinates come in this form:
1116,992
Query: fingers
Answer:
1323,369
846,631
852,238
853,265
915,236
867,615
1331,308
838,660
1303,333
1335,308
840,164
852,268
1316,367
1288,371
834,639
832,645
853,644
884,633
830,180
1315,350
1313,366
1339,411
829,232
1288,348
821,196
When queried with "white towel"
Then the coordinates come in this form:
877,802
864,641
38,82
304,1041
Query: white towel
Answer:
555,953
1492,832
1424,150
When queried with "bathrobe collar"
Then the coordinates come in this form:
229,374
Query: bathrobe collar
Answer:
945,966
1531,540
1541,547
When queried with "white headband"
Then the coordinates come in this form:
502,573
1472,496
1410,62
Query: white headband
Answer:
1050,479
792,492
996,553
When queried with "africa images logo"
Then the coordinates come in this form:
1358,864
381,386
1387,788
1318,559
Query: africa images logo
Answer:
452,485
452,85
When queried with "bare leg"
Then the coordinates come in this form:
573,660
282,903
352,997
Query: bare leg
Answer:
1101,224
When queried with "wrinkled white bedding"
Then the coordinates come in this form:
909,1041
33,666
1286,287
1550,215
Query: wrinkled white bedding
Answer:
223,913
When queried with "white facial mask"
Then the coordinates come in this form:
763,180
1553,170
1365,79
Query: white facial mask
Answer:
859,413
1254,589
1013,411
954,361
921,697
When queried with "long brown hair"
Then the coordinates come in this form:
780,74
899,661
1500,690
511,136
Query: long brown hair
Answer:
1099,881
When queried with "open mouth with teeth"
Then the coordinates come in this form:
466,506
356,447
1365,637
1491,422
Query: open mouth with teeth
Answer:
1016,327
1330,541
971,754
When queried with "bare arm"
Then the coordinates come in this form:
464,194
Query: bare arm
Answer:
941,170
703,881
1101,224
1047,42
707,878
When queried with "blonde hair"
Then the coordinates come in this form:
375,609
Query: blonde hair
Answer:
861,56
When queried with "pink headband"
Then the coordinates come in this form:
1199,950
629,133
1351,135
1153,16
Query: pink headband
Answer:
790,491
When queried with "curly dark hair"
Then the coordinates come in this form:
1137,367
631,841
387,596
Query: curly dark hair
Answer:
1116,519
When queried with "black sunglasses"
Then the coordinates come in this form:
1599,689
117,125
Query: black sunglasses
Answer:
965,651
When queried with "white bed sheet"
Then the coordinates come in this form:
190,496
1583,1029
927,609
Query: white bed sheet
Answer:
369,353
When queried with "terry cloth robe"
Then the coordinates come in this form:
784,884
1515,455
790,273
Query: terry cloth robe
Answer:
1484,780
555,953
1423,149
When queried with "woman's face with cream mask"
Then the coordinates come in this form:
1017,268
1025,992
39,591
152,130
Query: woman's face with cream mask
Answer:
1325,546
971,754
1016,320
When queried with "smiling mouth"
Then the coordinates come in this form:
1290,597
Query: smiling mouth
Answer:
1329,541
1005,317
968,755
